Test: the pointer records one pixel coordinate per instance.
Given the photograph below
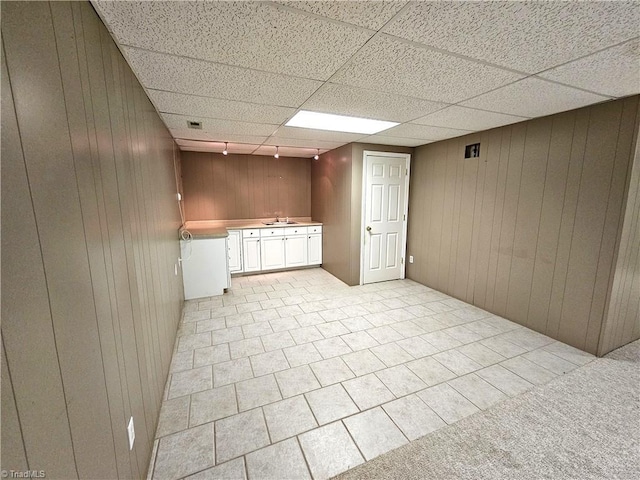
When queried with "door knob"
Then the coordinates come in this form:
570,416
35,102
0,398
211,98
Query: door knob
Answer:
368,229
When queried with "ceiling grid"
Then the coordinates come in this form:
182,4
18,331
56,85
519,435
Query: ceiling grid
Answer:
440,69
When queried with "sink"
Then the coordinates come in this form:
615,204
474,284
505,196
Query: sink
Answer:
280,223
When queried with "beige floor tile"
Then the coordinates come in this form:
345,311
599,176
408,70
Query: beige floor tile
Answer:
374,432
329,450
330,404
295,381
240,434
212,405
400,380
413,416
288,418
331,371
257,392
368,391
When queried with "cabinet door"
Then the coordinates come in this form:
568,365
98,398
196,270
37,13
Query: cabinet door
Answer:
296,250
272,251
251,254
235,251
315,249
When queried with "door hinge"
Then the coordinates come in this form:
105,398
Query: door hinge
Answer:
404,217
406,171
402,261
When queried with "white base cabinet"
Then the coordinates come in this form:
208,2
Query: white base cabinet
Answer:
235,251
272,252
295,250
263,249
314,249
251,254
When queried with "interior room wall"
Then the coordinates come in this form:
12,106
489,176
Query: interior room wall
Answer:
336,201
331,205
90,301
622,318
528,230
219,187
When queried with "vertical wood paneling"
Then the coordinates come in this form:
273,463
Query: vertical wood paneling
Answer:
492,162
531,190
33,66
496,231
529,230
597,169
13,455
550,218
218,187
89,342
622,308
507,230
26,316
331,195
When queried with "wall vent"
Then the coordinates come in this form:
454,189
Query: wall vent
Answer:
472,151
193,124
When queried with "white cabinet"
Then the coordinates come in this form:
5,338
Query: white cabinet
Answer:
204,267
314,249
251,252
272,248
295,250
235,251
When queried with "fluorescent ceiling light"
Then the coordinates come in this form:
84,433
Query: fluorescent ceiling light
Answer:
338,123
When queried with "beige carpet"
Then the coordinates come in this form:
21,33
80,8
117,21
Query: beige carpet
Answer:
583,425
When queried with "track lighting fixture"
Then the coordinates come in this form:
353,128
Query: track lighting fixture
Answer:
225,152
317,155
277,155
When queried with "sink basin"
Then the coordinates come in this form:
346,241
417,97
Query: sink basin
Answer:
279,223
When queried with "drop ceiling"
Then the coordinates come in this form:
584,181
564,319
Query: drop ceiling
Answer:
440,69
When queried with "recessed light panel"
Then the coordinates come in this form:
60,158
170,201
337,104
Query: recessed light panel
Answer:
338,123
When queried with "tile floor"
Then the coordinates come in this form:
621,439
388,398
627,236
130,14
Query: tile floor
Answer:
295,375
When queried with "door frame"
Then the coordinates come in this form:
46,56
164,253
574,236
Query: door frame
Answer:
407,157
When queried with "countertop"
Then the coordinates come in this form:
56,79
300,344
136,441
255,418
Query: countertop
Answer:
220,228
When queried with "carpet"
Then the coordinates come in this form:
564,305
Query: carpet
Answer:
582,425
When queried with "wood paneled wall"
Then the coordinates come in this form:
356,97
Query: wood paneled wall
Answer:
336,201
528,230
90,302
622,320
219,187
331,205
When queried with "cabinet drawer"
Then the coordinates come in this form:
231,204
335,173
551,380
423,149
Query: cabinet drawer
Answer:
251,233
315,229
272,232
295,231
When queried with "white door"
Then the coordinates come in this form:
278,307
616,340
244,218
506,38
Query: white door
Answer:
272,252
251,254
296,250
384,215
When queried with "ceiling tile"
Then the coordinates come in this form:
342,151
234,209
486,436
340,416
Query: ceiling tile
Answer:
312,134
595,71
185,75
527,36
299,142
218,147
219,127
467,119
394,66
370,14
412,130
191,105
394,141
255,35
360,102
190,134
287,151
533,97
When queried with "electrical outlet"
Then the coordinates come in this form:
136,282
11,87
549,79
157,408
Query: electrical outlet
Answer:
132,433
410,258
